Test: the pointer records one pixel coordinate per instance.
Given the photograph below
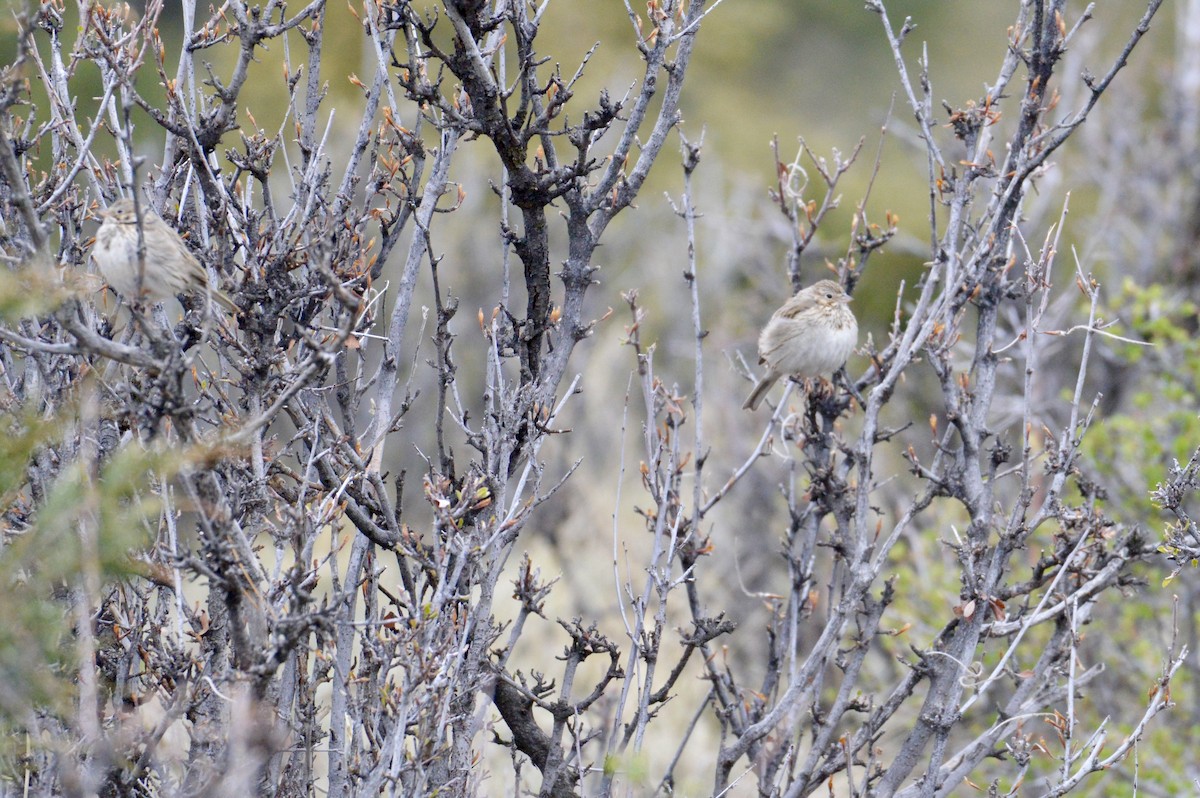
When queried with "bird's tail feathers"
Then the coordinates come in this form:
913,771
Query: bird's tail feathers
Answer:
760,391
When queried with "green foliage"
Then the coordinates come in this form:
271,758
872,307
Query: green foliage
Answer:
1159,755
29,291
1132,450
91,519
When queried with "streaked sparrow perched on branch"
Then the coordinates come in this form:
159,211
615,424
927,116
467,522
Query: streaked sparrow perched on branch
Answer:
810,336
168,267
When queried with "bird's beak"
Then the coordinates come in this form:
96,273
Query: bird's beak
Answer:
846,300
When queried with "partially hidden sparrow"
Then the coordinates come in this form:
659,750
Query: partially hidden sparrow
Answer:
810,336
168,268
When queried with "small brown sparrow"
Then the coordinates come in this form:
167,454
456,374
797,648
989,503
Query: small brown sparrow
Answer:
168,268
810,336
